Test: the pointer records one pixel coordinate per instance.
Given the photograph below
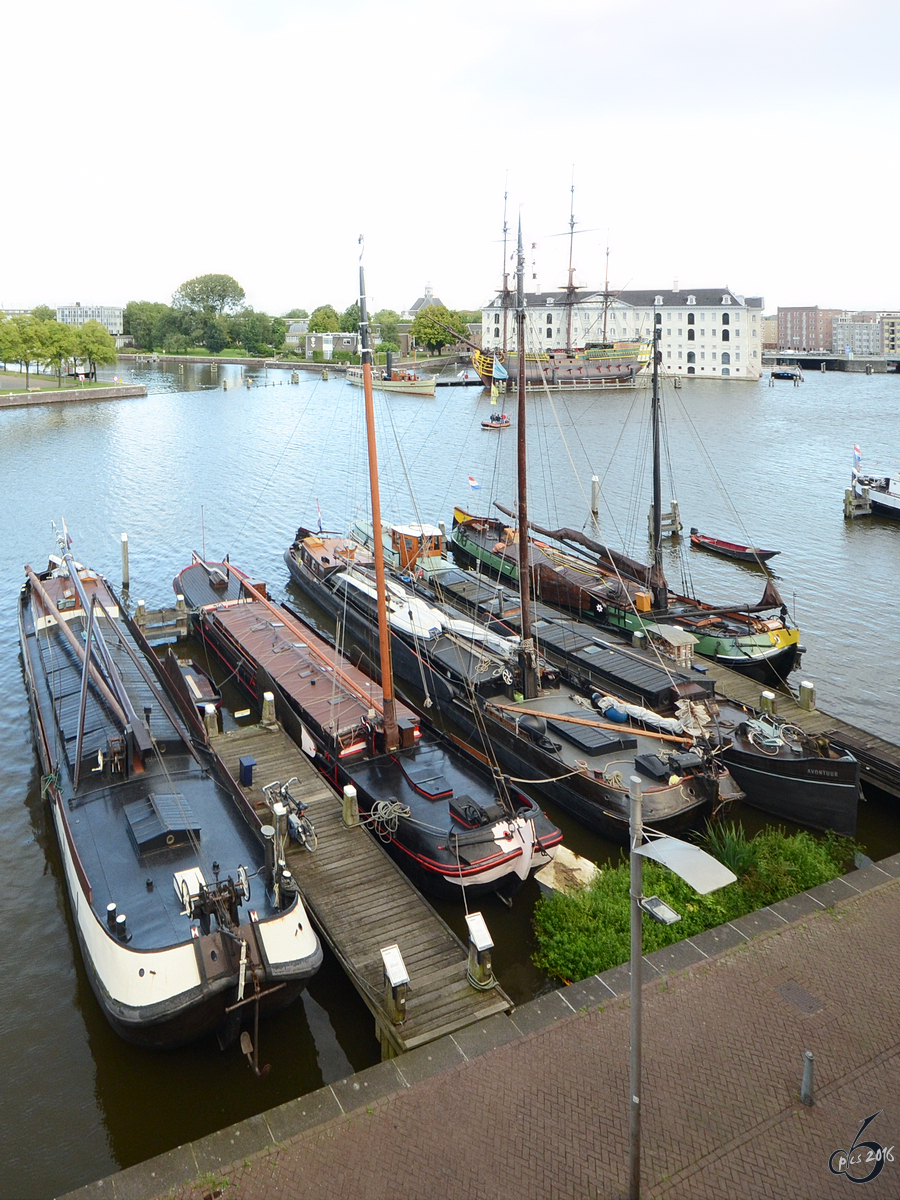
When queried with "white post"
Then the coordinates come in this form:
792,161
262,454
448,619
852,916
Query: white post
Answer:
808,695
268,709
350,807
125,576
210,720
634,1121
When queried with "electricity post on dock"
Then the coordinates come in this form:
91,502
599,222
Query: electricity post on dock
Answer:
704,874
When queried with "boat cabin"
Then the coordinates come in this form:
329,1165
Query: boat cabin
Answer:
326,555
673,643
414,545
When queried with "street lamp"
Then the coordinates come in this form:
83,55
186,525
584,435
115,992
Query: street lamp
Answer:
704,874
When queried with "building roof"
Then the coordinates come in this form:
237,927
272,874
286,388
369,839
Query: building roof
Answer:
643,298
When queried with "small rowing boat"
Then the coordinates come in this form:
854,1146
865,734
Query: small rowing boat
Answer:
731,549
496,421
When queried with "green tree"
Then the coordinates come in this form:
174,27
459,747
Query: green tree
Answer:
216,336
435,326
58,345
28,341
94,343
324,319
388,320
256,331
296,314
211,295
44,312
139,319
279,329
170,323
469,316
10,348
350,319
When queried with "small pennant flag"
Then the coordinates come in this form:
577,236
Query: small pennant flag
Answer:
319,508
475,486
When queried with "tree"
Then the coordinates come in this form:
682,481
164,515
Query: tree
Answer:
139,319
256,331
58,345
94,343
469,316
28,341
170,323
279,329
388,320
44,312
217,336
324,319
435,326
10,348
211,295
296,314
350,319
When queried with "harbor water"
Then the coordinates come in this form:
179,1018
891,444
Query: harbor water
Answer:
234,470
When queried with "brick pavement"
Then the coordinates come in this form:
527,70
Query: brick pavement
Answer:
536,1105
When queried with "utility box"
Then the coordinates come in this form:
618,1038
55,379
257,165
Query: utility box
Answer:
245,776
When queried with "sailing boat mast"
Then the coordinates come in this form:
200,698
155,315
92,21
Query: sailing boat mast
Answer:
391,734
528,659
659,590
606,291
570,286
505,299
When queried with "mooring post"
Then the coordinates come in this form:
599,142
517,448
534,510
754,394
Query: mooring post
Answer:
479,971
268,709
125,576
807,697
140,614
767,702
806,1087
350,807
210,720
181,616
396,982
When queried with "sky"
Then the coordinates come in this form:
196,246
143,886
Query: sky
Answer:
749,145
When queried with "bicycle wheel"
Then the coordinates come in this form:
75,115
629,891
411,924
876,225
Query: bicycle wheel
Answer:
308,834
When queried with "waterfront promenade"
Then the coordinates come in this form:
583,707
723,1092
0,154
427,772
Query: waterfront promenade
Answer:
534,1105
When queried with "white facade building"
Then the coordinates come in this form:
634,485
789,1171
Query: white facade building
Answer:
710,332
79,314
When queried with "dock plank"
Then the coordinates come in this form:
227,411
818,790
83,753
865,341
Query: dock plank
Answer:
361,901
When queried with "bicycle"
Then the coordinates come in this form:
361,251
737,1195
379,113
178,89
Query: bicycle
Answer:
300,827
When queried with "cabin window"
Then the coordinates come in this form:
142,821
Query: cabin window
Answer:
725,318
691,356
726,357
690,318
690,335
725,335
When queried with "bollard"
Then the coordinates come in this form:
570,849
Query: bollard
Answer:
639,639
268,709
125,578
806,1087
210,720
267,832
808,695
350,807
111,913
140,614
396,982
767,703
479,971
181,615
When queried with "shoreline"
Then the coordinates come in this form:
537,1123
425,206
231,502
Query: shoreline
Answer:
120,391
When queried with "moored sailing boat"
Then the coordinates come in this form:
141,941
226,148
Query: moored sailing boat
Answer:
161,855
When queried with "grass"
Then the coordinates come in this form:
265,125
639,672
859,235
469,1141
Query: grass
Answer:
588,931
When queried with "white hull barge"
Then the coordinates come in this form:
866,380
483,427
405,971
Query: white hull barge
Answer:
171,894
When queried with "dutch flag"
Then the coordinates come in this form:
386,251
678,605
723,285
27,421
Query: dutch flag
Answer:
475,486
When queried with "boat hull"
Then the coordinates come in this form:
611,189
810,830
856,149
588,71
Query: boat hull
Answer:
610,364
820,793
731,549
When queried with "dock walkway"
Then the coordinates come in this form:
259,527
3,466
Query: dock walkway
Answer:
361,902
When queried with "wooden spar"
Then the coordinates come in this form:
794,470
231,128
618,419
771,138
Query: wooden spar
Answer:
662,737
50,608
391,734
528,656
283,615
660,591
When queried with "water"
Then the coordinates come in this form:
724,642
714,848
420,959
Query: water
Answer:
194,467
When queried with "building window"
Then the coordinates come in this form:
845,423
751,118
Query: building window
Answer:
659,318
714,356
690,335
726,370
702,354
725,335
726,299
726,357
737,358
691,356
679,354
658,300
692,370
692,299
690,318
496,318
549,317
668,354
725,318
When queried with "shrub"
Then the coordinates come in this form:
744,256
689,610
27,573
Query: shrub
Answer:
588,931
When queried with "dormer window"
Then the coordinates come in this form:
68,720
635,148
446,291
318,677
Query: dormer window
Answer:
726,299
692,299
658,300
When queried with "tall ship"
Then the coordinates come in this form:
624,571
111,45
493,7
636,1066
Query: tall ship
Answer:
572,352
182,928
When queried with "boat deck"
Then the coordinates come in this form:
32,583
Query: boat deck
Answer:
361,902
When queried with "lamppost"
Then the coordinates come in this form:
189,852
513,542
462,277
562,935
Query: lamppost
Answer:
704,873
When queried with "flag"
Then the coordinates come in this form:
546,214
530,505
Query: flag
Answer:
476,487
498,370
494,393
857,456
319,510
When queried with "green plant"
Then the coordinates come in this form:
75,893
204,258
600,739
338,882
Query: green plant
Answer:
727,842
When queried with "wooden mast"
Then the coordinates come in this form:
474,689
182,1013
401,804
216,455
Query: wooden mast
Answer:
528,659
570,286
659,590
391,734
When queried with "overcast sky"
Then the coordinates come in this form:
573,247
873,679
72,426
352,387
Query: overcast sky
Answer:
753,145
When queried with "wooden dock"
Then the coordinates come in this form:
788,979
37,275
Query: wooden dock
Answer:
361,902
